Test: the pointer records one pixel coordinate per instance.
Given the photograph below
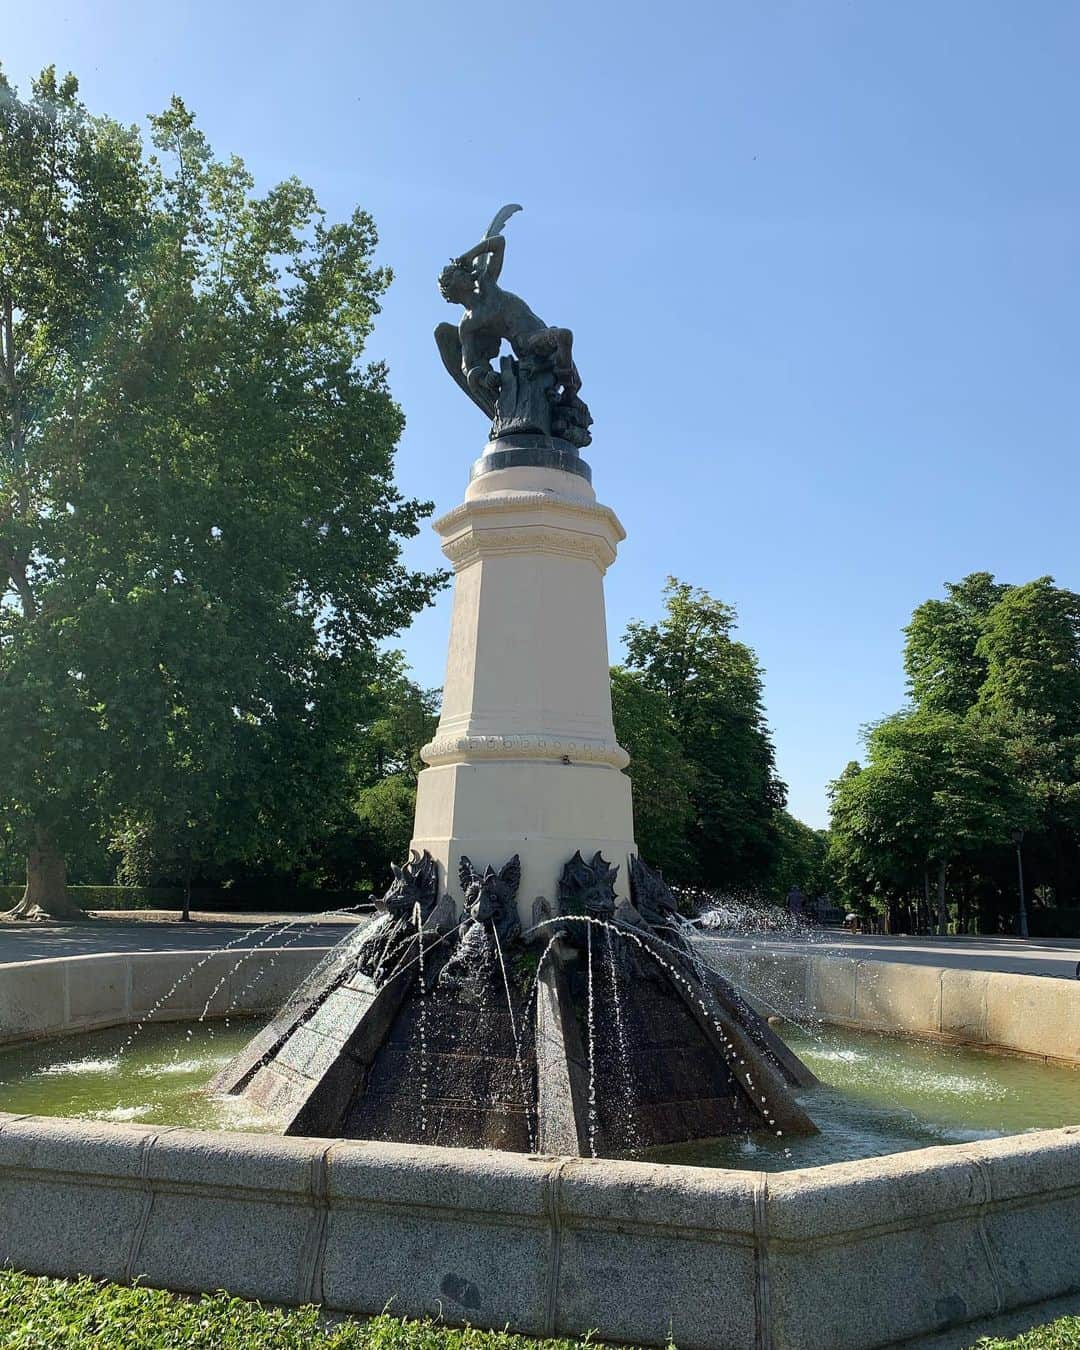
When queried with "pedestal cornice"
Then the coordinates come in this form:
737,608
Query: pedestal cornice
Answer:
458,749
530,522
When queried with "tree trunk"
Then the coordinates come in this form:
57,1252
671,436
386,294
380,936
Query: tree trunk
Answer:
46,895
185,916
942,906
929,906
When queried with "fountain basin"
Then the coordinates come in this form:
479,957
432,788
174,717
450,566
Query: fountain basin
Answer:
853,1255
876,1094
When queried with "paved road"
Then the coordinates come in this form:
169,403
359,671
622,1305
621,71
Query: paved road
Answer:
205,933
157,933
1037,956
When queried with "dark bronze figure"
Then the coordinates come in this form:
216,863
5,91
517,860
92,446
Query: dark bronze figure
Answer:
588,888
416,883
535,391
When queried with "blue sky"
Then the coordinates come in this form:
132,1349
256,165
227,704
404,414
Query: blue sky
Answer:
821,261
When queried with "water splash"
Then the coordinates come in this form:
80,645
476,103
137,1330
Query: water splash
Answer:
592,1046
626,1076
419,920
519,1066
277,924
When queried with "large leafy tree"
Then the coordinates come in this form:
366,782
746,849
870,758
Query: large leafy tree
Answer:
74,222
199,524
994,677
942,657
662,775
1031,694
937,790
712,685
802,857
375,826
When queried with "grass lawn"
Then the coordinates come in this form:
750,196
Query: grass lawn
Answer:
1063,1334
44,1314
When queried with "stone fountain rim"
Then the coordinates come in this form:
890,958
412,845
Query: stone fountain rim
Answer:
856,1254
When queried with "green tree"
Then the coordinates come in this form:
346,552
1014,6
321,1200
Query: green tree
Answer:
202,520
802,857
936,791
661,774
1031,694
73,223
713,687
368,824
942,657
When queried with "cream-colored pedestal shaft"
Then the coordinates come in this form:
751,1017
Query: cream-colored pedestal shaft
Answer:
525,759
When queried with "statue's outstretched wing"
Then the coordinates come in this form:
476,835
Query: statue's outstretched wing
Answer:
496,226
449,345
501,217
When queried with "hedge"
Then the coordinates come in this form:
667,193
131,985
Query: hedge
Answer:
233,899
1054,923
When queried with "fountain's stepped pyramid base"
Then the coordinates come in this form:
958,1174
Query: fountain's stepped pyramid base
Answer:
616,1044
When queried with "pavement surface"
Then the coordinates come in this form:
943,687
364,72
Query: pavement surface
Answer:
161,931
1055,957
156,931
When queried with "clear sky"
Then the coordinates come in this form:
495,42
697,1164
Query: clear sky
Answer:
821,262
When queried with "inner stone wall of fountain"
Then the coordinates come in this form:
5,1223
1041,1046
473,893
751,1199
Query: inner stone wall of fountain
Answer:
1022,1014
62,995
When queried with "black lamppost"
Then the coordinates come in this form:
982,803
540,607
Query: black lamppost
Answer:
1018,839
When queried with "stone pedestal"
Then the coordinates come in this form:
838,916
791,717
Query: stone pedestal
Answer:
611,1039
525,758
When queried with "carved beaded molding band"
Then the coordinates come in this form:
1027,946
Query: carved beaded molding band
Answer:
448,749
546,502
475,544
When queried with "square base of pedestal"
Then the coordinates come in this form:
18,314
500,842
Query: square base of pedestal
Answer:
542,810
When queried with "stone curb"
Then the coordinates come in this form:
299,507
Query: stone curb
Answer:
853,1255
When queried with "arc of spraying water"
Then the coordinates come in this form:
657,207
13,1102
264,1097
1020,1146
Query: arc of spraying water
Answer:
187,975
517,1041
728,1048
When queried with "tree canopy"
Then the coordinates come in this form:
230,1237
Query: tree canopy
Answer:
989,748
200,536
700,690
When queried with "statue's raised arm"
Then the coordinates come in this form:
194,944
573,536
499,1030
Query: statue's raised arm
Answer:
488,254
535,390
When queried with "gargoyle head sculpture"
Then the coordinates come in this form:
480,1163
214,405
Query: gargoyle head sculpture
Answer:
491,897
588,888
652,896
415,883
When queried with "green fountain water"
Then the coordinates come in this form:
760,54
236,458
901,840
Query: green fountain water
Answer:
878,1094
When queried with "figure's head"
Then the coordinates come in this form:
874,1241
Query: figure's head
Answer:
415,883
457,284
588,888
490,895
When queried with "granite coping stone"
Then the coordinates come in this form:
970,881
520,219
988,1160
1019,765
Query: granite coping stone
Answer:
850,1255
